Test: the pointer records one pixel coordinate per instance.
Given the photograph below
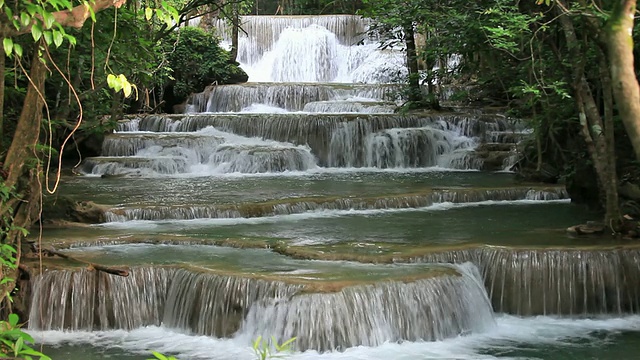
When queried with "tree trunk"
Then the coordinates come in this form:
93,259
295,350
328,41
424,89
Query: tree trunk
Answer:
592,127
412,64
2,78
625,85
22,178
234,31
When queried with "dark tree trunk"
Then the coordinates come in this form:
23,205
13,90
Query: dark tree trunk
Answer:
625,85
412,63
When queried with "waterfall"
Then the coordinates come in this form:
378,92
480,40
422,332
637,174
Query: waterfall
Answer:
332,48
297,206
555,281
262,32
199,302
291,97
330,103
369,315
446,304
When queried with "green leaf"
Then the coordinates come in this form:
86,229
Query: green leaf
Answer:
48,19
17,48
148,13
7,43
71,39
36,32
126,89
48,38
13,320
287,344
25,19
57,38
159,356
1,3
31,9
18,346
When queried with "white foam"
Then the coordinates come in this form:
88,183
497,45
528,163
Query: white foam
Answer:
510,333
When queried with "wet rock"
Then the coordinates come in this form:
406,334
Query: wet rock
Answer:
88,212
61,208
590,228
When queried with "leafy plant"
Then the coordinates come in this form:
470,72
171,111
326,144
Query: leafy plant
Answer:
159,356
263,348
14,342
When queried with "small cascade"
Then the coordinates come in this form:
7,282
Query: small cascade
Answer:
555,282
251,159
135,166
332,48
199,302
412,147
84,300
445,305
204,151
297,206
425,310
352,140
262,32
291,97
314,48
130,144
350,106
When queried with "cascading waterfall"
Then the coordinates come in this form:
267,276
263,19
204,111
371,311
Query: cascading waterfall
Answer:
444,305
336,140
262,32
334,125
549,281
428,310
200,302
336,111
287,96
293,206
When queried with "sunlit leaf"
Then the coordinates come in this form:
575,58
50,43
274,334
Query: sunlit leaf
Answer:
57,38
148,13
48,38
17,48
49,19
36,32
25,19
7,43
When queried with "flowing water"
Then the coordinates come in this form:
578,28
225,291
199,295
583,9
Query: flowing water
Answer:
301,205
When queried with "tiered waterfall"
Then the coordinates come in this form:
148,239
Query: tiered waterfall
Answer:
303,205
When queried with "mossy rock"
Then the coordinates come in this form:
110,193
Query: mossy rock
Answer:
62,208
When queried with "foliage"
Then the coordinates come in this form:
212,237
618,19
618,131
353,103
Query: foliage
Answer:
159,356
196,60
14,342
262,348
305,7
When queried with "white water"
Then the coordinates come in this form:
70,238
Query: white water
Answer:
321,214
509,333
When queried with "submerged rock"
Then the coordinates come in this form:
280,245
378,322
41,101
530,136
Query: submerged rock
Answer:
589,228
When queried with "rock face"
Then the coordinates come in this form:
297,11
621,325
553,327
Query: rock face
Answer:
65,209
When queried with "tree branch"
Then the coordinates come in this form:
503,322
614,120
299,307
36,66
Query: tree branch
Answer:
74,17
